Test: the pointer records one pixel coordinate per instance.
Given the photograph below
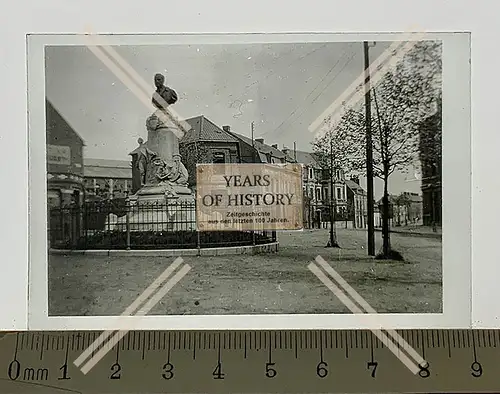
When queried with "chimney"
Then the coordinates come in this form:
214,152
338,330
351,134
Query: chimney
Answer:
261,140
275,146
285,150
226,128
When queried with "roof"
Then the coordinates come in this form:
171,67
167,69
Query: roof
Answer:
262,148
354,186
203,129
51,110
107,163
107,168
307,158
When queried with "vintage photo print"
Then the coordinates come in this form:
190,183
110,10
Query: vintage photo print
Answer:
249,181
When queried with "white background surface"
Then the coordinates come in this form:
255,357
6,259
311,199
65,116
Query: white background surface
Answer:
51,16
456,197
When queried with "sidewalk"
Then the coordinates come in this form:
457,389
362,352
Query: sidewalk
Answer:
424,231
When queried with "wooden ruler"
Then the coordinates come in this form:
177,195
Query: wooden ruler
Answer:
244,361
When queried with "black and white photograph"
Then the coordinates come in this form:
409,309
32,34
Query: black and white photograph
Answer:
126,125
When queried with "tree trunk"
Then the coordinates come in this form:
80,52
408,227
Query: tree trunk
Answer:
385,216
332,243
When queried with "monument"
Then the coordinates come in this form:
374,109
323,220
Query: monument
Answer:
163,178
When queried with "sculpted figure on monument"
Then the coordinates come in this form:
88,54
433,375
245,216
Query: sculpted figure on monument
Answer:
168,95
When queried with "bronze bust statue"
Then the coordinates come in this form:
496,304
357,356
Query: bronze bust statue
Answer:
167,95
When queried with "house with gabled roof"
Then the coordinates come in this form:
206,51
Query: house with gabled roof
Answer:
206,142
257,151
64,155
107,178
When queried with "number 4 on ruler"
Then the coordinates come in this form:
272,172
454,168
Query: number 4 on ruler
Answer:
218,371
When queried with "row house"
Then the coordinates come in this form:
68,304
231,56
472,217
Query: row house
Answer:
357,203
64,153
207,143
107,179
257,151
404,209
430,132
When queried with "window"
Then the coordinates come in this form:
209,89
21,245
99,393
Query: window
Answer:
325,194
219,158
311,173
318,194
53,198
339,193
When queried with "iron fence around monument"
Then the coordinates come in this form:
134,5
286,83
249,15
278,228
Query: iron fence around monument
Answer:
123,224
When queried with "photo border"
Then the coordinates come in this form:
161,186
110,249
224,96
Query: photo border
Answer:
456,271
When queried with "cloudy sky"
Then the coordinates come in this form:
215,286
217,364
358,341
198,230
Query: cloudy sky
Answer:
281,87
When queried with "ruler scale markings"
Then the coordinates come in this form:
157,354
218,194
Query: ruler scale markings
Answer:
296,345
194,345
41,347
320,347
16,349
475,361
474,352
143,346
346,346
168,351
245,344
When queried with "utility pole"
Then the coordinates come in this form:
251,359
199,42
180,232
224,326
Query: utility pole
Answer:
369,154
253,144
332,243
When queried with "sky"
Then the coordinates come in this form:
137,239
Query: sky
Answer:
282,88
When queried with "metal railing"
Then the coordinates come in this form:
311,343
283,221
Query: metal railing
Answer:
125,224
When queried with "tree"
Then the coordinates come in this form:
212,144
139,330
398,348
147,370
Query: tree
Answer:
192,154
334,149
401,100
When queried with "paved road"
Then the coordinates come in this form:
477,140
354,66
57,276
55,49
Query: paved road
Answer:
276,283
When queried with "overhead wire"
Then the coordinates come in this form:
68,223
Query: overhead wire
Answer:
290,116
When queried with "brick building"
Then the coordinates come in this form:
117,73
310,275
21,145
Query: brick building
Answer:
64,148
431,161
106,178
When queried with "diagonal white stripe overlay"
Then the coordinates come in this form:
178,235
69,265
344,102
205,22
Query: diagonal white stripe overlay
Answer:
351,305
133,81
157,290
378,68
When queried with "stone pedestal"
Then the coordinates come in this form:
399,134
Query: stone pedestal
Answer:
159,205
